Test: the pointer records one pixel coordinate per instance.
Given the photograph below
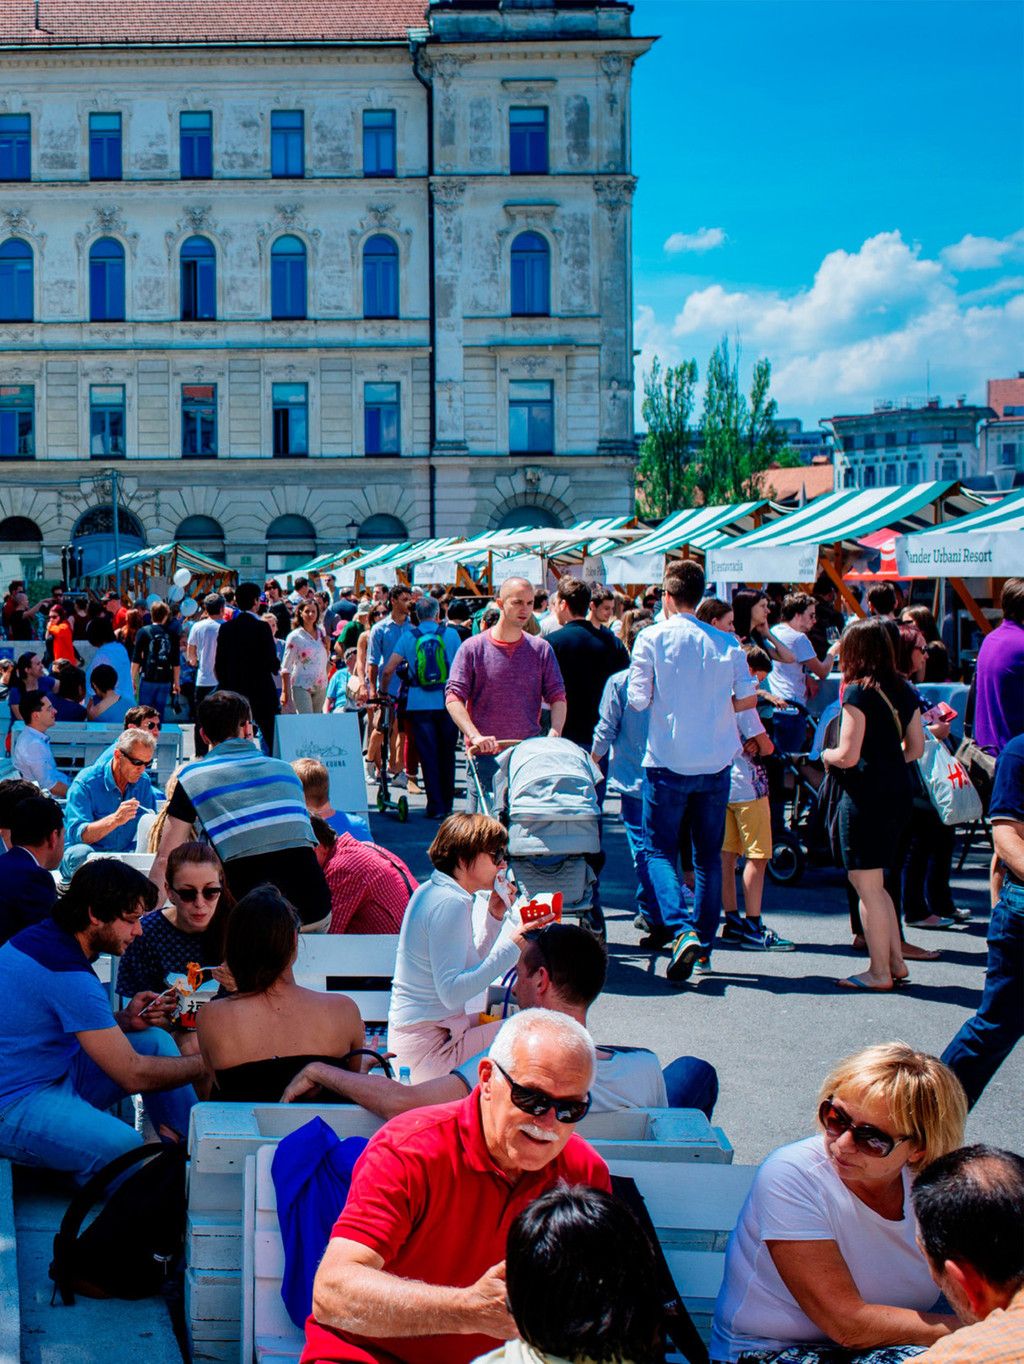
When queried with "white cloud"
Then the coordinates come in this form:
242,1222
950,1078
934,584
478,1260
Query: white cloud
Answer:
983,253
704,239
869,325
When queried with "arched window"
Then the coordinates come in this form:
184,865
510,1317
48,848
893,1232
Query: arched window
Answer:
19,530
380,278
94,535
202,533
21,546
287,278
529,518
531,276
15,281
381,529
198,280
291,542
106,281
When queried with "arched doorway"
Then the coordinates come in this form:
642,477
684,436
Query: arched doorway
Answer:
21,549
94,536
381,529
529,517
204,534
291,542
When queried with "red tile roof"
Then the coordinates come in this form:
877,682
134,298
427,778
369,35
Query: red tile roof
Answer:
208,21
804,482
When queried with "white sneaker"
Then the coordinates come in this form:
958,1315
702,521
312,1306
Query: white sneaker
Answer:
399,779
371,772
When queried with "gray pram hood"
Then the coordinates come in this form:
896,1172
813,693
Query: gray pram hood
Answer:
545,793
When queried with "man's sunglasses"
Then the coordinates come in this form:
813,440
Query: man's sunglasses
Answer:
136,762
536,1102
871,1140
190,894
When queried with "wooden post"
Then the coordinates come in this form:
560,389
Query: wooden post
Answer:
836,575
977,615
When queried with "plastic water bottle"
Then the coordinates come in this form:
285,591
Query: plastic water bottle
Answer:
404,1075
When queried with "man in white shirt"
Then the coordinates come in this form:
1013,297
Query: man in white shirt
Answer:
32,754
201,652
693,680
789,680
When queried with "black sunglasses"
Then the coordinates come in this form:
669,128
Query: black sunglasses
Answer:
871,1140
136,762
190,894
536,1102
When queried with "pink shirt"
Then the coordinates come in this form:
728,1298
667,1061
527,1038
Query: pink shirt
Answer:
503,686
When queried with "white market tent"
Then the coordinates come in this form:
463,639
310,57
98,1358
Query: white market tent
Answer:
988,543
694,528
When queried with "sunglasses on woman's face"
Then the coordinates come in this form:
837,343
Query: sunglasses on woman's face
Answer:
190,894
536,1102
871,1140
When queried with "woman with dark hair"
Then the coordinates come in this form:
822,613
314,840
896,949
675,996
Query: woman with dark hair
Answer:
304,665
29,675
750,623
258,1039
880,733
713,611
133,623
110,650
936,667
582,1283
107,703
67,699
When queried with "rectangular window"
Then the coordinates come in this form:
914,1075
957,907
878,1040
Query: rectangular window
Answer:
531,421
869,442
106,421
890,476
849,478
949,468
913,471
949,435
17,421
528,141
15,147
287,144
869,476
196,146
104,146
291,420
912,438
381,425
199,421
890,439
378,141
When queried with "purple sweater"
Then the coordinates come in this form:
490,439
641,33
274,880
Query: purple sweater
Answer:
999,686
503,687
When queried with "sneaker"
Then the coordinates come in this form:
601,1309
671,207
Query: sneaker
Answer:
685,952
703,967
641,923
371,772
398,779
732,927
656,937
758,938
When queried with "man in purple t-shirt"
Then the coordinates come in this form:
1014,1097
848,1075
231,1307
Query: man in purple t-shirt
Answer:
499,679
999,678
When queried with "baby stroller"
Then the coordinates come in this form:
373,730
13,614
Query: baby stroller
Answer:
545,795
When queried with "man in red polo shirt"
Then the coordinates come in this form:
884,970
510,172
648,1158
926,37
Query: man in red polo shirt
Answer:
414,1272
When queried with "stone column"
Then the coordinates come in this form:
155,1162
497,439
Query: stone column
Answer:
615,305
448,195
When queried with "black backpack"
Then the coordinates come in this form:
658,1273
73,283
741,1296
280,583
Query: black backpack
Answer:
134,1243
159,664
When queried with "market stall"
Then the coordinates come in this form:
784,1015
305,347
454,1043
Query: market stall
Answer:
151,571
988,543
684,532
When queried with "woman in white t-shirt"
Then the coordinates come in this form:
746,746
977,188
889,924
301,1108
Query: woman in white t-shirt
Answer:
304,665
824,1253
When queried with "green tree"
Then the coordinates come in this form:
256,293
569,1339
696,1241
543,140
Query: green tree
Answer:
662,480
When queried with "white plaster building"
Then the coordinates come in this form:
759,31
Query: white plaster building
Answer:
312,272
911,441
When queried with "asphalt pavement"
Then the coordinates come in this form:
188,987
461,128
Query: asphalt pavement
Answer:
774,1023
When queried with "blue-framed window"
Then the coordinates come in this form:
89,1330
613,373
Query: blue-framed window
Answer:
287,144
382,427
199,421
15,281
378,141
531,276
528,141
380,278
106,281
195,145
287,278
106,421
15,147
291,420
17,421
198,280
104,146
531,417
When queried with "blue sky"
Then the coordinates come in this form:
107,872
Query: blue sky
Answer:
840,183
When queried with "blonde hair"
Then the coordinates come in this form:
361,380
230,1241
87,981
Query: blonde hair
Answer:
315,779
156,831
926,1100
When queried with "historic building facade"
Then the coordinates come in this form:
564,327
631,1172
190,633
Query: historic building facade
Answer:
362,276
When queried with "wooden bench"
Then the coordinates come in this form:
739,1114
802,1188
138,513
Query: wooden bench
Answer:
76,745
222,1136
361,965
692,1213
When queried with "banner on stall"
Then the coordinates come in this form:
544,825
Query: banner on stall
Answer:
334,740
763,564
528,566
386,576
440,572
634,568
591,570
971,554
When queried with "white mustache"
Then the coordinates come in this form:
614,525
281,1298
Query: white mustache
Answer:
540,1133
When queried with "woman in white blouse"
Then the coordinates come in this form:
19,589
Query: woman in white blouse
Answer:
440,967
304,666
824,1252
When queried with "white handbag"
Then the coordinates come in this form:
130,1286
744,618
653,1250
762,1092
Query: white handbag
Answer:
948,784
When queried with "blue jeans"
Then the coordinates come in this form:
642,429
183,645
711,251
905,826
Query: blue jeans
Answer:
986,1040
435,735
155,694
668,799
62,1126
633,823
486,768
692,1083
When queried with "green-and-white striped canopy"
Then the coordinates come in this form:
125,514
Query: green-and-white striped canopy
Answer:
187,558
786,550
644,559
987,543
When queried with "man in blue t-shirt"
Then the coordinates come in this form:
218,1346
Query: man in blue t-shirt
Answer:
986,1040
65,1056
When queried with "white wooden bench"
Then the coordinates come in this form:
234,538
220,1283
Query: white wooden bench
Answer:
78,744
360,965
222,1136
692,1213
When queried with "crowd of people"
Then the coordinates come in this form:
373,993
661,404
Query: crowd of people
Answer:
479,1225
